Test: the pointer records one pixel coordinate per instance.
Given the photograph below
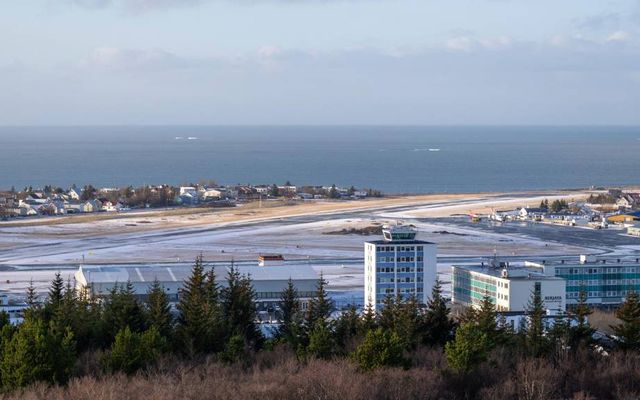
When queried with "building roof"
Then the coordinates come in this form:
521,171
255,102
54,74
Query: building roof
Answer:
179,273
513,273
398,242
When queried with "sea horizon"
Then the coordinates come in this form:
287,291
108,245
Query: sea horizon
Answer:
393,159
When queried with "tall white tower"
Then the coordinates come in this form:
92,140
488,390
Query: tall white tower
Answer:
398,265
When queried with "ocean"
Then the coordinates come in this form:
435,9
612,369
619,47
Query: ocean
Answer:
389,158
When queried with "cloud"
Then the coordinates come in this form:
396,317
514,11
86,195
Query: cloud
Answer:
112,58
619,36
142,6
599,22
483,80
468,44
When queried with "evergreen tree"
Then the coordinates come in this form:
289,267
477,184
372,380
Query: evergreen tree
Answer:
560,335
469,348
122,309
437,325
347,326
199,320
389,313
56,293
402,318
158,310
582,332
274,191
32,295
380,349
320,306
234,350
239,307
628,330
369,318
487,322
333,192
290,315
409,321
321,342
34,354
132,350
33,309
536,342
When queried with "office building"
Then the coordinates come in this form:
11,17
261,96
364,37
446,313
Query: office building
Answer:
398,265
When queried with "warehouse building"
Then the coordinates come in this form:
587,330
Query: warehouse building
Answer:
268,281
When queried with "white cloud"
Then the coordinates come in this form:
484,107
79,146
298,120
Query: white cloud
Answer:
112,58
619,36
467,43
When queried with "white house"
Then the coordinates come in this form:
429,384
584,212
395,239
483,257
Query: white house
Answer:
91,206
188,190
74,194
208,194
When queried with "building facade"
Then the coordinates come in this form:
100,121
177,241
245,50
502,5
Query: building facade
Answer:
606,282
510,289
398,265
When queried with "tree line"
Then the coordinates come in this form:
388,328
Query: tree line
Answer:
219,322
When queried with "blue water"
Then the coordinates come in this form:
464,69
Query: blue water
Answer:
393,159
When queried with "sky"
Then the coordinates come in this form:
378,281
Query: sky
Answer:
320,62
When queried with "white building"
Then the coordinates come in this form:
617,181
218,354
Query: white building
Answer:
268,281
188,190
634,230
398,265
510,288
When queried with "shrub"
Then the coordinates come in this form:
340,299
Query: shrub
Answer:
380,349
132,351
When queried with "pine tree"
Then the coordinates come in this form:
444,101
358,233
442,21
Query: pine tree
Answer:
408,321
437,325
379,349
536,342
132,350
347,326
369,318
388,316
628,331
56,292
333,192
583,331
486,321
320,306
290,311
32,295
123,309
321,342
34,354
469,348
239,307
158,310
199,325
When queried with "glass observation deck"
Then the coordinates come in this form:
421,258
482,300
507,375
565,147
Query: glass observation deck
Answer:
398,232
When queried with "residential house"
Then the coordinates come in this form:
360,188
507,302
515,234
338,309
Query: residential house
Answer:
25,210
188,189
210,194
90,206
109,206
531,213
74,193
